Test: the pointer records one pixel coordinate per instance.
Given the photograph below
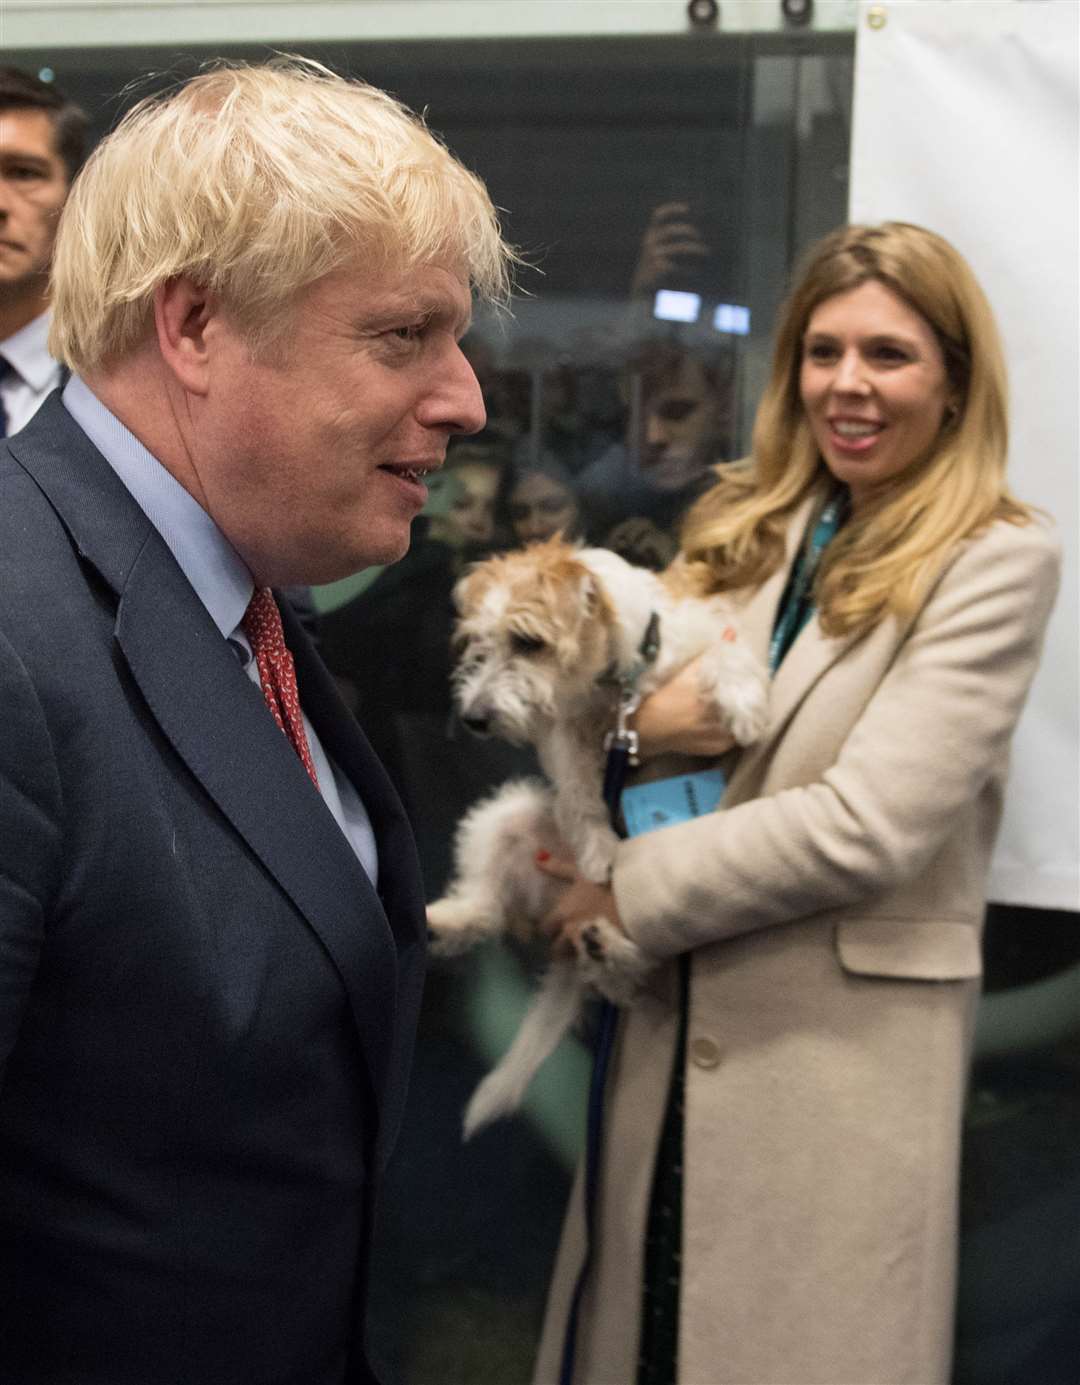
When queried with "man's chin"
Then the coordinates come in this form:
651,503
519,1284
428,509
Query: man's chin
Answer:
387,549
672,475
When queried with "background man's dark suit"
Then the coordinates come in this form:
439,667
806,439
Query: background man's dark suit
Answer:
205,1009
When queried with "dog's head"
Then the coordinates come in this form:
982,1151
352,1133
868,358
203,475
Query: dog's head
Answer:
534,634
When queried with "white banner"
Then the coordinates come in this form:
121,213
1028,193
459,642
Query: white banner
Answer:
966,121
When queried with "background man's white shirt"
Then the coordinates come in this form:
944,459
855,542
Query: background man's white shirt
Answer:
33,372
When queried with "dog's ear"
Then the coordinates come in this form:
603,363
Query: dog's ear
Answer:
590,594
581,616
467,589
595,622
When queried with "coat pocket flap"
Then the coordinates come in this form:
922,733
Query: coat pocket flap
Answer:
919,949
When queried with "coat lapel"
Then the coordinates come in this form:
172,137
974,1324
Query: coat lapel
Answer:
216,720
809,657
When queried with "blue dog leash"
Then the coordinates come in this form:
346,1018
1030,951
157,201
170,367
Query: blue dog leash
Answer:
621,746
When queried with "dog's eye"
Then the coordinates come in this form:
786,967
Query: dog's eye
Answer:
526,644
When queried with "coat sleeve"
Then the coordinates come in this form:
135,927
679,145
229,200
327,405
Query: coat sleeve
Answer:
30,804
932,733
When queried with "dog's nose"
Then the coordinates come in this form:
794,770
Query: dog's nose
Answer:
477,725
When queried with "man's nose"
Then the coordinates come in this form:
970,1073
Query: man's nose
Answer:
656,433
455,401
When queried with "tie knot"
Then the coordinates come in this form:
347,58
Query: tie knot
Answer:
262,622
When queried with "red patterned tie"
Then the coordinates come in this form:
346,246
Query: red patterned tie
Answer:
262,625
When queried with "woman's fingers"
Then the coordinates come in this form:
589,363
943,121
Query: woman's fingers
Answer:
552,865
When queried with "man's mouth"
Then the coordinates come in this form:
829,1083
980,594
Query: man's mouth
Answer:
417,472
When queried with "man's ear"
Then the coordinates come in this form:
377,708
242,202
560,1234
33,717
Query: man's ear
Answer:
183,310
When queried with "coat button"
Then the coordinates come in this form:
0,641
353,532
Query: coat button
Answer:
705,1053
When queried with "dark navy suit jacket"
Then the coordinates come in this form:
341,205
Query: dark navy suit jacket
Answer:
206,1011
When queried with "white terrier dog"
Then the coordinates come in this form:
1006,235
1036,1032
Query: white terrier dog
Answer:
550,634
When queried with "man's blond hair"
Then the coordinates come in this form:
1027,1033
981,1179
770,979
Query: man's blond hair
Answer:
256,181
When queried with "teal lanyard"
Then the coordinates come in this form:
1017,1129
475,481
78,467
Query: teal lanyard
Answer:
798,604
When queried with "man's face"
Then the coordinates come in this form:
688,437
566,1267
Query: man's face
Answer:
682,424
33,186
472,510
312,461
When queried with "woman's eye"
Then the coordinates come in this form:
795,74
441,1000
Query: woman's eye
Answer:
526,644
820,352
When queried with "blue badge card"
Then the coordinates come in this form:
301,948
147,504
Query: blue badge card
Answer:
665,802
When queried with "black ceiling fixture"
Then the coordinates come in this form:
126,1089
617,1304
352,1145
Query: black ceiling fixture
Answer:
703,14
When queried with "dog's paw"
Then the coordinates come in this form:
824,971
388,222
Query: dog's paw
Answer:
748,714
736,686
454,926
610,962
596,855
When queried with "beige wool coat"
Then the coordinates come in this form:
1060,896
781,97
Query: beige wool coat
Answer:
833,906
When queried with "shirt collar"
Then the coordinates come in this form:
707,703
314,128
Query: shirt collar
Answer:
219,576
28,352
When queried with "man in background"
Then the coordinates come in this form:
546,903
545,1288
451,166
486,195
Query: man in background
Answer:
42,144
211,917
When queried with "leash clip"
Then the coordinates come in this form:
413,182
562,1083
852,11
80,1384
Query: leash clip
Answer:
624,738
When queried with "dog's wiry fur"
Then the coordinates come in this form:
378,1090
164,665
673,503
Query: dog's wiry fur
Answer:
546,632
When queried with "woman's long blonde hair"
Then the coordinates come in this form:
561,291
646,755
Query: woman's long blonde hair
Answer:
884,559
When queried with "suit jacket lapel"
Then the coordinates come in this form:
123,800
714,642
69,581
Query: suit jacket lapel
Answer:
345,743
400,887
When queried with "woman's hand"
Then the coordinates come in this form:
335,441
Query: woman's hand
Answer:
582,902
674,719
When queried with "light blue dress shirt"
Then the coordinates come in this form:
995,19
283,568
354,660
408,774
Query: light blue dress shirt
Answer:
221,581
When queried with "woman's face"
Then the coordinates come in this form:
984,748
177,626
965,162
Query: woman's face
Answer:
874,386
540,507
472,510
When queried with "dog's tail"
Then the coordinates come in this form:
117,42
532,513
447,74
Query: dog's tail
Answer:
549,1017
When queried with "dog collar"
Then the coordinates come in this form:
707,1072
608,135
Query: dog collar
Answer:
646,655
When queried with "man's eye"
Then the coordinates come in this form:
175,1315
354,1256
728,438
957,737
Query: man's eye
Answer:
526,644
675,410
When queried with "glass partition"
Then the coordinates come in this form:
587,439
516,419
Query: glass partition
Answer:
660,188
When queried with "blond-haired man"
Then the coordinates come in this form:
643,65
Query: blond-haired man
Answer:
211,920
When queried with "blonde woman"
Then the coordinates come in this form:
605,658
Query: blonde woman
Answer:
776,1202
